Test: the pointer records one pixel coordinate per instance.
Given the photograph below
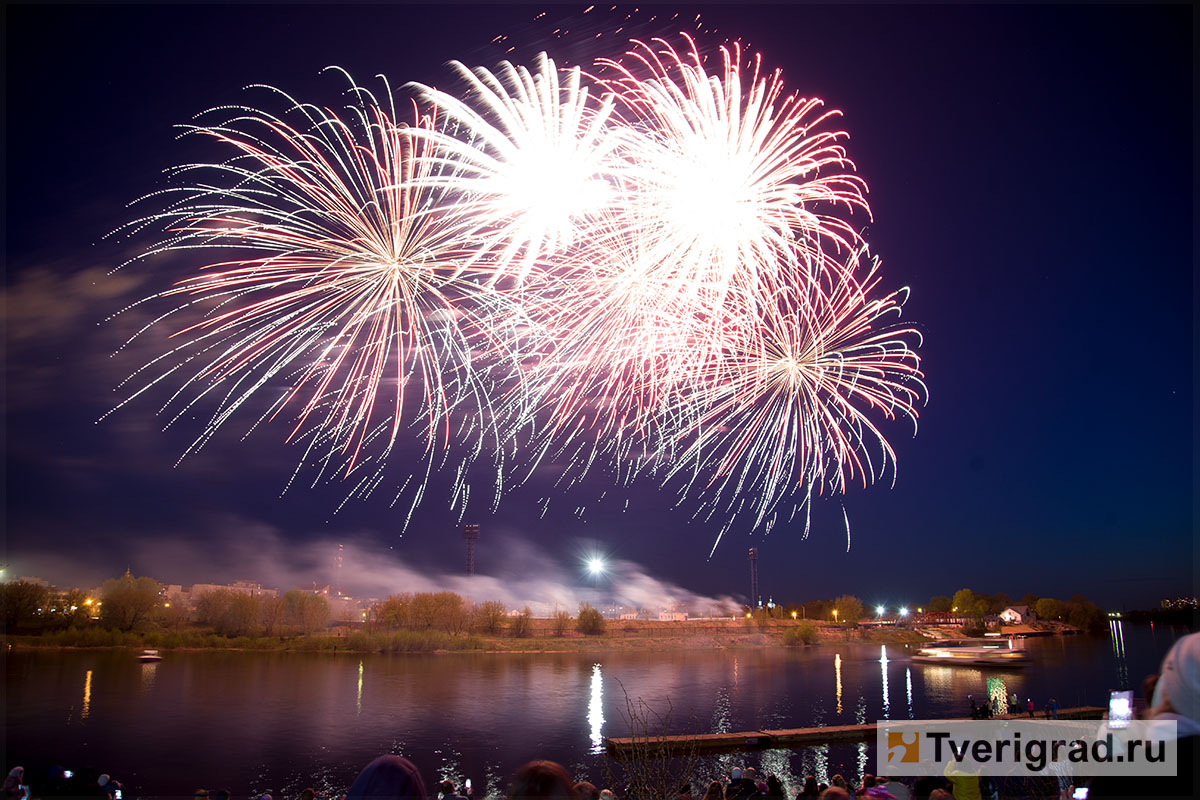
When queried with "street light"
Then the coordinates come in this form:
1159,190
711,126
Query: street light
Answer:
835,615
793,615
903,611
879,610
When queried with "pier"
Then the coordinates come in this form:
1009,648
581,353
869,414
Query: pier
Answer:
623,748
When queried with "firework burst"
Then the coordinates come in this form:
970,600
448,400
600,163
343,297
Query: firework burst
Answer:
789,412
529,157
344,297
649,266
736,180
724,214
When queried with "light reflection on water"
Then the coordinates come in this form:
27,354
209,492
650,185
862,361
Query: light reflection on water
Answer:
720,715
149,670
87,696
998,694
358,711
288,721
860,718
1117,632
595,716
837,672
883,666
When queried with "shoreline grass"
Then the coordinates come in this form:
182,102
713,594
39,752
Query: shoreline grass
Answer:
705,634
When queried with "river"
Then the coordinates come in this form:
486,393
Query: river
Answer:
278,722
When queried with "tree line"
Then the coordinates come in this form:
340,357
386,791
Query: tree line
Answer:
454,614
973,606
132,603
136,604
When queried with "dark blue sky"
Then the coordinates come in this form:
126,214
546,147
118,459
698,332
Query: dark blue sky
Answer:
1030,174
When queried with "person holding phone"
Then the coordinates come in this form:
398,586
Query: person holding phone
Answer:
109,787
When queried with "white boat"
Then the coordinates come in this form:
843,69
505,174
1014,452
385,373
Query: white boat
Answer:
981,656
149,655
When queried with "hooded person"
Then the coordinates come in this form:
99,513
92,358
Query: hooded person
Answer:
388,778
542,779
1176,698
588,791
13,788
1177,692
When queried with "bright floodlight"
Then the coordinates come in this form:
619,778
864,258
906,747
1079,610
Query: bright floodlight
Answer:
903,612
879,610
595,565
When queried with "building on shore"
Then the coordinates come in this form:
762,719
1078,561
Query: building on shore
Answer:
1017,615
239,587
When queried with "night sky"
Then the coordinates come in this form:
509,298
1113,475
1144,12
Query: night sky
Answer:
1030,174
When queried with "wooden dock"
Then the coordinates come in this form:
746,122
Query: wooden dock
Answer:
708,743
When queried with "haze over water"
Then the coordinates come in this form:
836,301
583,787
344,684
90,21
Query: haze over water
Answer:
277,722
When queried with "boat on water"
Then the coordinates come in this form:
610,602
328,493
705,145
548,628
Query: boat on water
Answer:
993,655
149,655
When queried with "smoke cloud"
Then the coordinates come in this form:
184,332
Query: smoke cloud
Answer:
517,573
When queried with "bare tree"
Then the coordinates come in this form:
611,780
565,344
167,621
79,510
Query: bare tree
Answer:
127,602
489,616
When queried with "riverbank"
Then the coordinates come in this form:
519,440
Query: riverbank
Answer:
619,636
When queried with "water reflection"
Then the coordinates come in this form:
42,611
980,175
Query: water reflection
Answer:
720,715
779,764
998,695
451,767
501,712
87,696
358,712
595,715
149,670
908,690
837,673
821,757
1118,640
883,665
